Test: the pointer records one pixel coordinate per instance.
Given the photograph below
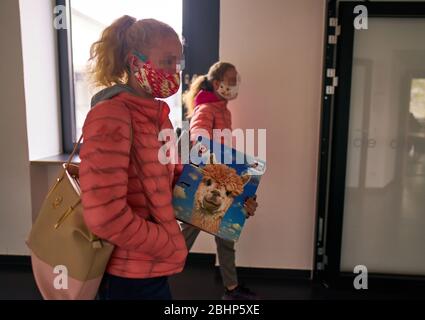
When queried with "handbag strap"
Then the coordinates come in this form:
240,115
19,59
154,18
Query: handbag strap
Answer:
74,151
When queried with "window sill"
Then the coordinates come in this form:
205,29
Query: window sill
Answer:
57,159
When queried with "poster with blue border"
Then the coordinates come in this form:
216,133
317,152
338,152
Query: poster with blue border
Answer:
212,189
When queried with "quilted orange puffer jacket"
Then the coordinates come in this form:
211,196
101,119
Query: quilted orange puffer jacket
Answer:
210,116
210,113
127,199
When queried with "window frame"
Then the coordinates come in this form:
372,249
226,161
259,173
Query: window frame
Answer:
66,81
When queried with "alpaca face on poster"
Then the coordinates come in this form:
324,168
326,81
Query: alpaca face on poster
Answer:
215,194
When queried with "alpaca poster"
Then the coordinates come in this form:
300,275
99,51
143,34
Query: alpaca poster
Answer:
210,195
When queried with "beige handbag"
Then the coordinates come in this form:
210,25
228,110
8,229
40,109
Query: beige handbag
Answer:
68,261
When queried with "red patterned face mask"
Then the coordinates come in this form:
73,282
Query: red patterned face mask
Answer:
156,82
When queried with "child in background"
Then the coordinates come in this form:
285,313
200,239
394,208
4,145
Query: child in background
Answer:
207,101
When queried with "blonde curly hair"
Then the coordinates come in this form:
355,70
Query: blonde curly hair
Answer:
108,55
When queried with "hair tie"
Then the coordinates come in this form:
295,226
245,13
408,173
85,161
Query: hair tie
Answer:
206,84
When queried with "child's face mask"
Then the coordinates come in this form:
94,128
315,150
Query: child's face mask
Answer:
229,92
156,82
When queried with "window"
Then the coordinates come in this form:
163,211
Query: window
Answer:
88,19
417,99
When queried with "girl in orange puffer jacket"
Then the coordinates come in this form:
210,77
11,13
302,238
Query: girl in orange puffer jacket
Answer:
126,191
207,102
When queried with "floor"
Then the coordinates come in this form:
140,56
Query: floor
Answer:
201,281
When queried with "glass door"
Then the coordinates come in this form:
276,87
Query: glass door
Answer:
376,213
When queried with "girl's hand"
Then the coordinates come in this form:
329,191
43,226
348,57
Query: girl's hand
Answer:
251,206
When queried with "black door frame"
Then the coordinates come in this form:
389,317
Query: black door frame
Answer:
201,29
331,190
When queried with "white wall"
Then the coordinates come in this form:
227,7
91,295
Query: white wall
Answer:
277,45
29,115
15,192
